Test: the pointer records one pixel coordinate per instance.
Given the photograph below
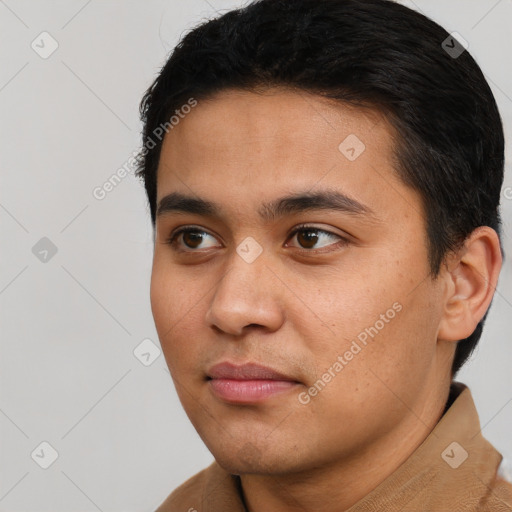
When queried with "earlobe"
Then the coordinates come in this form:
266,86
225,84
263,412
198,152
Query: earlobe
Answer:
471,278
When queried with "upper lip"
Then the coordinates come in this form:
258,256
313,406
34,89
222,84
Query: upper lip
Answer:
247,371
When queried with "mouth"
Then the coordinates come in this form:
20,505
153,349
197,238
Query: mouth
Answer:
247,383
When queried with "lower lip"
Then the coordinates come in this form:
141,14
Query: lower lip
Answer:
249,391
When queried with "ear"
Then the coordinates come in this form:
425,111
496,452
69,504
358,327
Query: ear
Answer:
471,278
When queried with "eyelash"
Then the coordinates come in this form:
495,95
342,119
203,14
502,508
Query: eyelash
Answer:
172,240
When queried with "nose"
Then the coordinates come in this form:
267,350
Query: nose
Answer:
248,295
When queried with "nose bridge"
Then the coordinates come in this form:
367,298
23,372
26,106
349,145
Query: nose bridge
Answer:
244,295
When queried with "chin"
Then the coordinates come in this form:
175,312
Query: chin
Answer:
250,459
238,461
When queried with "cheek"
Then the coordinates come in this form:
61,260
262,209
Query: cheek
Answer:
372,302
349,298
176,311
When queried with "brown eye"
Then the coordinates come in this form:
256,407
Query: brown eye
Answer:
309,236
191,238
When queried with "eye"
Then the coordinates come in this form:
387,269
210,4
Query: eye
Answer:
191,238
188,239
308,236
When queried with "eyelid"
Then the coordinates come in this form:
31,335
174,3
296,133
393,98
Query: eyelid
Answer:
171,239
313,226
344,239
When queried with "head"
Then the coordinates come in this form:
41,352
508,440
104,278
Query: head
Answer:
353,102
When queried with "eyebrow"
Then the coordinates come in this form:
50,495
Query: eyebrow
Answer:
295,203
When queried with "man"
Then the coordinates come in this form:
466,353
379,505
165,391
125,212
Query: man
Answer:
326,211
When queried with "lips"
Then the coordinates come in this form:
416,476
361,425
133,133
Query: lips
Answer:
248,383
248,371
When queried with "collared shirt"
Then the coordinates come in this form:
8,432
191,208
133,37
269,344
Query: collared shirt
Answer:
453,470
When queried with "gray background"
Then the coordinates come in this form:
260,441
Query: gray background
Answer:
70,321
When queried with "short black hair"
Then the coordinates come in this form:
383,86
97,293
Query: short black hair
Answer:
449,142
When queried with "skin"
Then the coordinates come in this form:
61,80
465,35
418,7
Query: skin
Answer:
297,311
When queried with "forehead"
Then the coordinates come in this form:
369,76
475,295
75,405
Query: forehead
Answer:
240,146
279,118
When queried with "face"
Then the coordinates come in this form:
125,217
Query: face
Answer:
343,307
